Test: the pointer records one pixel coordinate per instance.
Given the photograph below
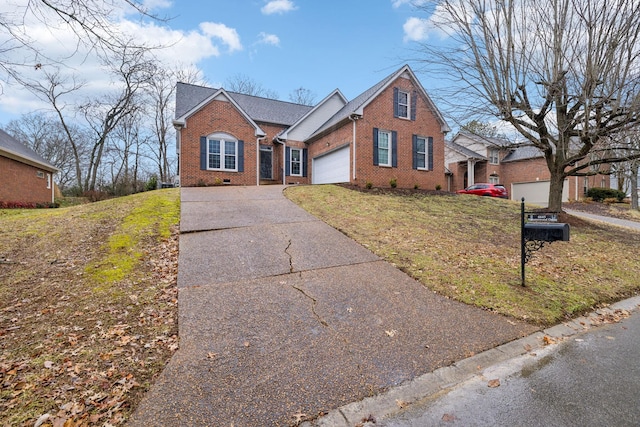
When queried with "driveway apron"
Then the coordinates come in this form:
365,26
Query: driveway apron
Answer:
283,318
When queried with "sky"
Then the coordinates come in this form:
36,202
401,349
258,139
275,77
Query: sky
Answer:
280,44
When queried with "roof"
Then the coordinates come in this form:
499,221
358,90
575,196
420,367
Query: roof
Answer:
487,140
14,149
523,153
356,105
464,150
259,109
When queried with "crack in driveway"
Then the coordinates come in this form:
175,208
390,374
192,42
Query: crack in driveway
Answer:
313,305
286,251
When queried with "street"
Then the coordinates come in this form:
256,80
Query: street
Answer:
591,379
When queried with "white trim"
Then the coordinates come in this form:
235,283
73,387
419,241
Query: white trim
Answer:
408,104
182,120
389,147
222,138
291,149
425,152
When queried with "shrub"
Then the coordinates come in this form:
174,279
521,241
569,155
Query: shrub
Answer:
393,182
599,194
151,184
438,187
95,195
369,185
218,181
201,183
416,186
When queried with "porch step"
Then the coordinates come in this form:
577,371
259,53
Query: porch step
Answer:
270,182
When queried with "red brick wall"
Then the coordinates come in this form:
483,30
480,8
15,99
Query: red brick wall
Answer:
220,116
379,114
20,183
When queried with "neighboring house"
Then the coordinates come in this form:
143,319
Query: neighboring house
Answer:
522,170
392,131
25,176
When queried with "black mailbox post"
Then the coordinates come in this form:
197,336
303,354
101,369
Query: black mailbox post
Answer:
542,228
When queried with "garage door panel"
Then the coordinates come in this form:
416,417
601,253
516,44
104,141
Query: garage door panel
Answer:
331,168
536,193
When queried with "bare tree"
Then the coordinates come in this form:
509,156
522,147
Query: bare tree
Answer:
480,128
563,73
91,22
46,137
303,96
241,83
133,71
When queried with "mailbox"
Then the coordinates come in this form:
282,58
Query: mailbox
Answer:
546,232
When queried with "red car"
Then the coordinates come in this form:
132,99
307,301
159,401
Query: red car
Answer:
491,190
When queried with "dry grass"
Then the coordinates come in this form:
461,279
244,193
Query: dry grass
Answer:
88,308
468,248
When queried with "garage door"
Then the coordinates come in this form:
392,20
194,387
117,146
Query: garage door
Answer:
331,168
536,193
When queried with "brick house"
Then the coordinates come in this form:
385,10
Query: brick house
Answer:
25,177
392,131
522,170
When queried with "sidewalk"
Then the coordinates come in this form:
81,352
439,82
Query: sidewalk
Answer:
283,318
607,219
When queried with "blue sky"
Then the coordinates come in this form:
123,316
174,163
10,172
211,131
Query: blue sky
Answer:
281,44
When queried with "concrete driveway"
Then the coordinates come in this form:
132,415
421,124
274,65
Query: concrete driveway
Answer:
283,318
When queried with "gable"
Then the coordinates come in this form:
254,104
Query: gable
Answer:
308,124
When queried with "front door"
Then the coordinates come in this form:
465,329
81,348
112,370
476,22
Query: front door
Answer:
266,162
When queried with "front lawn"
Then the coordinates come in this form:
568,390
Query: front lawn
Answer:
468,248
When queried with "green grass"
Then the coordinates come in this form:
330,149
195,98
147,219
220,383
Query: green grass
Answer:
468,248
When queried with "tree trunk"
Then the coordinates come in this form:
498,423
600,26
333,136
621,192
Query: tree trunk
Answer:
555,191
634,185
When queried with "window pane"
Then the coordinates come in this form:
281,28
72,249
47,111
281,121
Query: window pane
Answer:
383,148
383,140
421,145
214,154
229,162
230,148
295,155
403,97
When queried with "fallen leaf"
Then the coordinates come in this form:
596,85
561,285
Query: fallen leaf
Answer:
547,340
401,403
448,418
391,333
494,383
527,348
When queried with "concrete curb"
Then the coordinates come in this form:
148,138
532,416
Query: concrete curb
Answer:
443,379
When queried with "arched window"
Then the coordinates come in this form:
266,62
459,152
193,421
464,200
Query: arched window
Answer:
223,152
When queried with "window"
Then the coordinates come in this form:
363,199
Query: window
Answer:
403,104
494,179
421,153
222,154
493,156
40,174
296,162
384,148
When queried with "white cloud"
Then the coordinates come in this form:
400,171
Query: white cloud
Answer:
272,39
157,4
229,36
417,3
278,6
416,29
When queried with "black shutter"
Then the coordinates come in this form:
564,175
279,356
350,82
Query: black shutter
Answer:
240,156
395,102
430,148
375,146
287,161
304,162
203,153
415,151
414,104
394,148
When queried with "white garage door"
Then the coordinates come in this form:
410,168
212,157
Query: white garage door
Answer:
331,168
536,193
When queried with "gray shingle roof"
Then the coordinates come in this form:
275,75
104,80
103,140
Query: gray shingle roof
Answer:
464,150
488,140
353,105
11,145
259,109
523,153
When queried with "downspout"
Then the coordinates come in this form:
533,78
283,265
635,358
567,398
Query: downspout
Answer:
258,139
354,118
284,159
53,187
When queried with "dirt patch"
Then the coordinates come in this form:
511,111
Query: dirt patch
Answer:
75,350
